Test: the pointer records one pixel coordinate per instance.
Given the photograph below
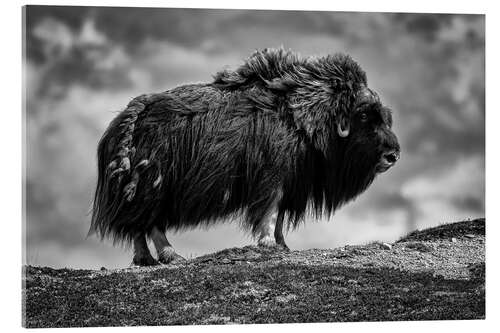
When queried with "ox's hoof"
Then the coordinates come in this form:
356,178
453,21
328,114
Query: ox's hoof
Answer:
271,243
144,260
283,247
169,256
267,241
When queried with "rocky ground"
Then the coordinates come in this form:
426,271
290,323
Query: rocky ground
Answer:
432,274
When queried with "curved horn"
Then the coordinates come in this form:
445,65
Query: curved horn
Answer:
363,93
343,132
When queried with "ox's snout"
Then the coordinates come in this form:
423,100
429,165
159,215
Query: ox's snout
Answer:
390,151
387,160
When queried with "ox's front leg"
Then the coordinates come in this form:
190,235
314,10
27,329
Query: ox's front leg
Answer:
271,229
166,253
278,231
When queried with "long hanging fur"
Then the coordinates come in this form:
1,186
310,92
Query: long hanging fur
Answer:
197,153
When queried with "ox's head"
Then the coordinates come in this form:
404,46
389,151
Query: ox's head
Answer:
330,101
344,118
366,131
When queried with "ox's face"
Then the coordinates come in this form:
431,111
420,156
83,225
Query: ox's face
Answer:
369,132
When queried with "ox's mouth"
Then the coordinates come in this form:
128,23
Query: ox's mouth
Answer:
387,161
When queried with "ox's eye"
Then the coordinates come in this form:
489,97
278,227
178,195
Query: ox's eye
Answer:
363,116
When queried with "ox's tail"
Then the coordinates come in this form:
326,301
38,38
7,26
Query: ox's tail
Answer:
114,154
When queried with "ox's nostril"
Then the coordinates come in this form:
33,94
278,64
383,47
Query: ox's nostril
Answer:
392,157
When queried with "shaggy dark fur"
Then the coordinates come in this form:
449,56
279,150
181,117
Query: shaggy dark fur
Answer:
270,129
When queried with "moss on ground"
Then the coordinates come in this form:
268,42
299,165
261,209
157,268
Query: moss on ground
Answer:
433,274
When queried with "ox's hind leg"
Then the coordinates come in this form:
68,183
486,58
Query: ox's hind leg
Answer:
142,256
166,253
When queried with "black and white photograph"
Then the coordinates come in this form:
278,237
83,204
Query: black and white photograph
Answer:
207,166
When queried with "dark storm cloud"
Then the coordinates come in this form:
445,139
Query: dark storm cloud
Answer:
187,27
77,68
423,25
454,64
298,21
428,26
72,17
131,27
445,140
57,45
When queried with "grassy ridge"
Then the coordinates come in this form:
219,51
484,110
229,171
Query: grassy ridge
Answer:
433,274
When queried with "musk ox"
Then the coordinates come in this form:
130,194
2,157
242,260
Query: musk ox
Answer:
278,136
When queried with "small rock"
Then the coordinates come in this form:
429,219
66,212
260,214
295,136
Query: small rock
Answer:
103,268
386,246
247,284
470,236
286,298
218,319
225,261
453,240
443,293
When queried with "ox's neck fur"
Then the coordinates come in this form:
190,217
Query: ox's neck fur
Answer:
313,91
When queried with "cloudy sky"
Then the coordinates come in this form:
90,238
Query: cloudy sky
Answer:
83,64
